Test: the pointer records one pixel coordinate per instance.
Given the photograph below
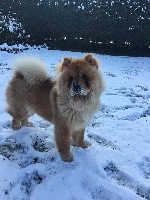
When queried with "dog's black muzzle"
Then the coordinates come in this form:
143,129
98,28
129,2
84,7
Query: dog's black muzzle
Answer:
76,87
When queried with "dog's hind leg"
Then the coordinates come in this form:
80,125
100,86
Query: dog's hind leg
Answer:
19,116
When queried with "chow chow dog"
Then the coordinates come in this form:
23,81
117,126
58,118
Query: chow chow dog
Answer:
69,102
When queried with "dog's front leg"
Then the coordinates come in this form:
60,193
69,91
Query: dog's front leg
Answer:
78,138
62,137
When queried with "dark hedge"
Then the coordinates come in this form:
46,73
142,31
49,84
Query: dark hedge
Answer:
116,27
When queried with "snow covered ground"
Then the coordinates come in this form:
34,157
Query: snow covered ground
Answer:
115,167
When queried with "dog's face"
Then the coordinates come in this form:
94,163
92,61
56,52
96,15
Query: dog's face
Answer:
77,77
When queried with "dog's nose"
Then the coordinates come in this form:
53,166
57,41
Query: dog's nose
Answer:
76,87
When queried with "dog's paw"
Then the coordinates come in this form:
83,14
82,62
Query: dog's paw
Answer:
27,123
16,125
67,157
83,145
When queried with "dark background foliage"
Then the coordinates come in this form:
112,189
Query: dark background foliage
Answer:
118,27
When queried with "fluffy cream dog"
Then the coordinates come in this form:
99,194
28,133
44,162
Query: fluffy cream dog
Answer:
69,102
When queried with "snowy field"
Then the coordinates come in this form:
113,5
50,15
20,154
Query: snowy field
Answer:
117,164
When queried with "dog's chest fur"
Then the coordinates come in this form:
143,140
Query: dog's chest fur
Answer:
78,114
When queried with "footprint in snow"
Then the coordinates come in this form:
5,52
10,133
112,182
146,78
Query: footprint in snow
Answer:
28,182
41,146
142,87
102,141
125,180
9,147
144,167
137,115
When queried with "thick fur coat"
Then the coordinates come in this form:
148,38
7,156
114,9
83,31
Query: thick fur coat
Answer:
69,102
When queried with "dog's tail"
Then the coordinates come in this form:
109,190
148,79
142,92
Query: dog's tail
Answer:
32,69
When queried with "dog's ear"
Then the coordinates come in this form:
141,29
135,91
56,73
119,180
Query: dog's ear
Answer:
63,65
66,62
91,61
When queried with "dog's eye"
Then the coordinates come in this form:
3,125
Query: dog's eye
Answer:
85,79
70,80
